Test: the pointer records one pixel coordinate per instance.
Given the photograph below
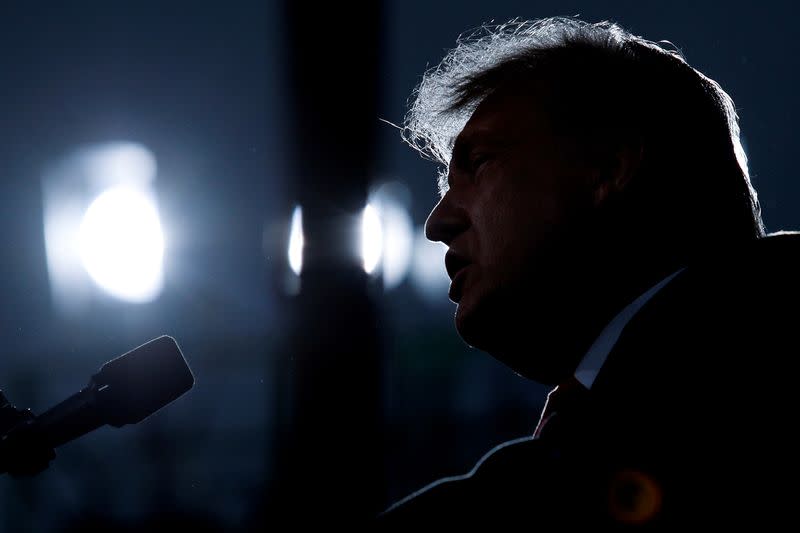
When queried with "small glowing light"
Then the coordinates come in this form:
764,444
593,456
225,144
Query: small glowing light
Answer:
427,270
398,241
390,201
634,497
371,238
121,244
296,241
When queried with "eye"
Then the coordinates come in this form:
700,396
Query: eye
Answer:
477,161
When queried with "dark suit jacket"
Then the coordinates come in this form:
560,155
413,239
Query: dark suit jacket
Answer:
690,421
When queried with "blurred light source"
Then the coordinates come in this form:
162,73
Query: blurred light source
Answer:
428,272
371,238
296,241
101,225
398,241
121,244
391,200
386,237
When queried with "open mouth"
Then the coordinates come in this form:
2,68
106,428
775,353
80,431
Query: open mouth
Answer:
457,286
454,263
456,266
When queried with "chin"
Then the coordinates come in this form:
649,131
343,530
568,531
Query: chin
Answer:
534,343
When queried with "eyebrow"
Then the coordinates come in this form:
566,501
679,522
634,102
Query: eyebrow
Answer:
465,142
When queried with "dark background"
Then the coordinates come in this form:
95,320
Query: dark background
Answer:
204,87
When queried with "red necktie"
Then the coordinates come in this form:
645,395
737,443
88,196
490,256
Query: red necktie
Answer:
561,398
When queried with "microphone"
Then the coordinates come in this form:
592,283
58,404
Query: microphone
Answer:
125,390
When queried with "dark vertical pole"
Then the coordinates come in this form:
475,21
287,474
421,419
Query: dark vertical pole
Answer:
333,471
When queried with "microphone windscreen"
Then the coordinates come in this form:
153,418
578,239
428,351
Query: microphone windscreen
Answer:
136,384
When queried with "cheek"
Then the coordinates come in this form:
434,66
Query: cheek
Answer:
523,210
507,246
515,223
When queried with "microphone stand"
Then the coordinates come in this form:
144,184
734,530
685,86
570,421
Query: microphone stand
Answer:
23,450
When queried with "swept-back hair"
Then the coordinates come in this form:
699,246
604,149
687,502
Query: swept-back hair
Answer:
607,85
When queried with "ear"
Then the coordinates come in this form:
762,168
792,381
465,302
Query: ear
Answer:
618,170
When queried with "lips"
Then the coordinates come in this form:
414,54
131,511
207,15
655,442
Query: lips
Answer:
457,286
456,265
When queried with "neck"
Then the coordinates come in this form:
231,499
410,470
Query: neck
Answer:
567,321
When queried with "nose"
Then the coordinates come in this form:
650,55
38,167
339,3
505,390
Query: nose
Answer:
446,221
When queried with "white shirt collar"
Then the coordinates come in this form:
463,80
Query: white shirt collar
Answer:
594,359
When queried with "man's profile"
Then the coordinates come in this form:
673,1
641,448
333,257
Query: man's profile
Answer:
604,237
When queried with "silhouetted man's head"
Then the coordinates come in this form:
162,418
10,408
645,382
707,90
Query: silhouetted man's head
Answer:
582,164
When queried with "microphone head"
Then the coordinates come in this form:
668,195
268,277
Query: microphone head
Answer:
138,383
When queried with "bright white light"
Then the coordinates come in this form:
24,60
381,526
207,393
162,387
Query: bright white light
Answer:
296,241
371,238
392,237
428,271
69,185
398,241
122,246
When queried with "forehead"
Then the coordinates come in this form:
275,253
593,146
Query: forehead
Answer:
507,114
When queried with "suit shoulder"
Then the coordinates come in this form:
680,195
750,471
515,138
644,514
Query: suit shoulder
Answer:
492,484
